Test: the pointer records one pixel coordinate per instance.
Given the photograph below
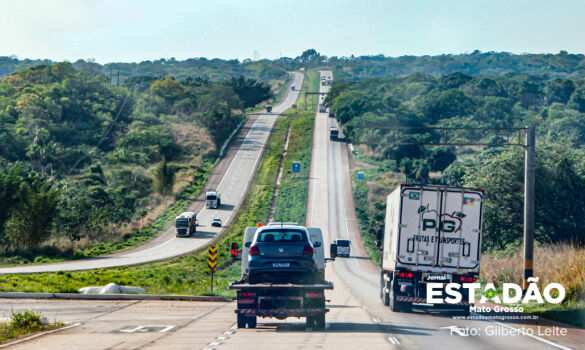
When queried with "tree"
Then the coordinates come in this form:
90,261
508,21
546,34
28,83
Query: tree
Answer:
31,217
250,91
163,177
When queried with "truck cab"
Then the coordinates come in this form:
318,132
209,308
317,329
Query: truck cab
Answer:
212,200
185,224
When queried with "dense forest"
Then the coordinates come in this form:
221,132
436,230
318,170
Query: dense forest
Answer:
79,157
562,65
555,106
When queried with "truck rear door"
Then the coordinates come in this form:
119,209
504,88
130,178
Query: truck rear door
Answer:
459,242
419,213
440,227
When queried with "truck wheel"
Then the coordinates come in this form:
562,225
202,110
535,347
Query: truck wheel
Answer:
251,321
465,311
394,305
385,296
242,320
310,322
320,322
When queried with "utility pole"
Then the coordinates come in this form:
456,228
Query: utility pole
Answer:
118,83
529,174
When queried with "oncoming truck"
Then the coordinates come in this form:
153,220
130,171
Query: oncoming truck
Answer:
432,234
185,224
212,200
283,275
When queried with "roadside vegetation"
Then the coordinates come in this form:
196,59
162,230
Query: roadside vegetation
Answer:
189,274
87,168
23,323
182,275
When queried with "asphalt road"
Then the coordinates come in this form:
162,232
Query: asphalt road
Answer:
232,187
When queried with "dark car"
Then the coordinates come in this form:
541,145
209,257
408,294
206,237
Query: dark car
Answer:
283,254
216,222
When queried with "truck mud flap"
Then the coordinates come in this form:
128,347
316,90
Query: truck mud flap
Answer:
281,312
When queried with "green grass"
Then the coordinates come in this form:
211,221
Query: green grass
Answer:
363,213
23,323
182,275
291,203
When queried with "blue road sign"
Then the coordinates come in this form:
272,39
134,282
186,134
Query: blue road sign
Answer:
361,176
296,167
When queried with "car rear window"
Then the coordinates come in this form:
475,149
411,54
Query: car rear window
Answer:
343,243
282,236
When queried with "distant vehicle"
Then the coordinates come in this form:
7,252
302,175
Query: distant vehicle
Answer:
212,200
283,275
333,134
216,222
322,108
343,247
268,108
292,87
323,83
331,114
185,224
431,234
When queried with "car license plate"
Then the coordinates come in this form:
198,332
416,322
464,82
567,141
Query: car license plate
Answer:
436,277
280,264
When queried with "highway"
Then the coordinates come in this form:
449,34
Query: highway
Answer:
357,318
232,187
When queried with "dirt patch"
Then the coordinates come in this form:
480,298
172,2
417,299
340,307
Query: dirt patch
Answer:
355,164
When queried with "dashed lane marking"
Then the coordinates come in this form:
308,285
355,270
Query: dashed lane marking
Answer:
394,340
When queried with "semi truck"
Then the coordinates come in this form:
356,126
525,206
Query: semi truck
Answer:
185,224
333,133
280,293
212,200
432,234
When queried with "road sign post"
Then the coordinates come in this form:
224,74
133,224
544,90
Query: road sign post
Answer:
212,262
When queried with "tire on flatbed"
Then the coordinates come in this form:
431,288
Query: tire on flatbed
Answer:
252,321
242,320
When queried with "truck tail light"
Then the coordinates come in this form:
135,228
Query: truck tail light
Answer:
466,279
404,274
314,295
246,295
308,250
254,250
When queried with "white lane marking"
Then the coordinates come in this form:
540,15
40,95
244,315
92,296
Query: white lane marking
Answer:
394,340
546,341
214,343
377,320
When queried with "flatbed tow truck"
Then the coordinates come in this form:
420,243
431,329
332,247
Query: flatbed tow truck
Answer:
282,300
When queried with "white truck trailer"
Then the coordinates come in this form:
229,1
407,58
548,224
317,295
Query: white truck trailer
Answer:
432,234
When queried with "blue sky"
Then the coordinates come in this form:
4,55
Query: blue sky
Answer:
133,31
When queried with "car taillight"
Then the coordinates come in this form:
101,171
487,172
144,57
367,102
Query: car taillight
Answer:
404,274
308,250
254,250
246,295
